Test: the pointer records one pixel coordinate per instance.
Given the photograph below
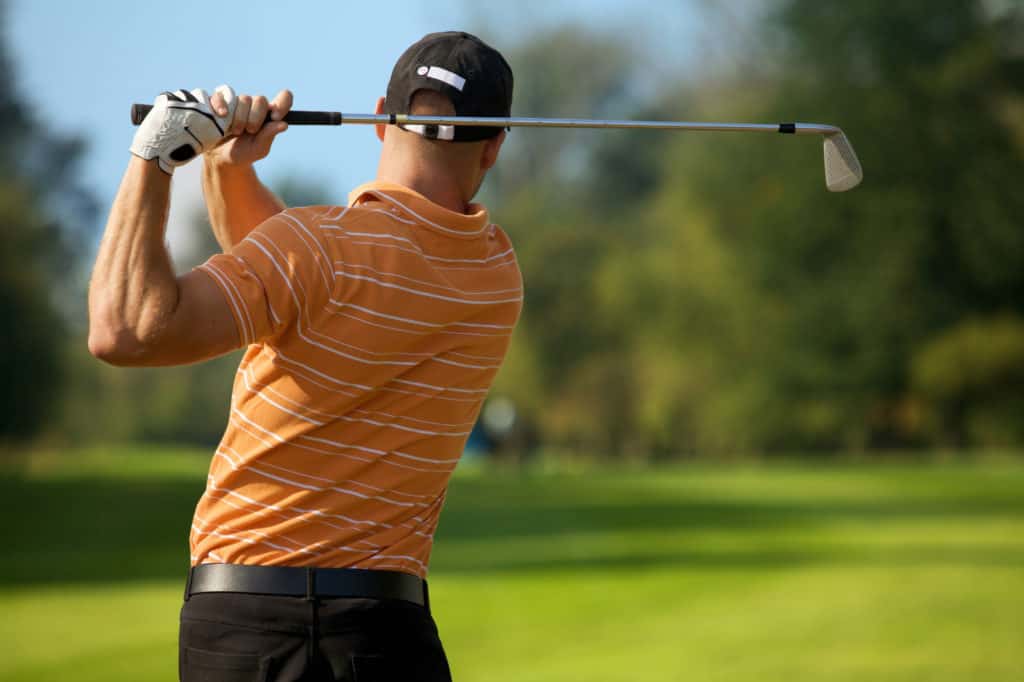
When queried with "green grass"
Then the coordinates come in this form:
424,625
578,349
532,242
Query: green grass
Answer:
789,572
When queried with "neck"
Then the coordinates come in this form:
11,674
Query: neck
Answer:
435,184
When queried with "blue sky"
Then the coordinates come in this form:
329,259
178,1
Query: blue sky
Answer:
81,64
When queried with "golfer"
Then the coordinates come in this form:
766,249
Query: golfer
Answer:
373,331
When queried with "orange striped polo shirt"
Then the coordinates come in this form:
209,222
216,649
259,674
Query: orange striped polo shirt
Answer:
374,331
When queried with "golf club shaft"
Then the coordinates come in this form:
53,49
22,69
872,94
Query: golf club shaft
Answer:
139,112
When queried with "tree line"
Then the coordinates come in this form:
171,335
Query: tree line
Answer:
702,294
686,294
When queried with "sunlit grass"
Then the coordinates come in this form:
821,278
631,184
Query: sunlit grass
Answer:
93,632
794,571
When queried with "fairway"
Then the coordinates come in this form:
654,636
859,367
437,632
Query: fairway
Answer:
846,572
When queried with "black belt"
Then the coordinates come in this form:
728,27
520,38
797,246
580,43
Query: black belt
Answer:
311,583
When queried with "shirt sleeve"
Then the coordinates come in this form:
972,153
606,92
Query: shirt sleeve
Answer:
274,279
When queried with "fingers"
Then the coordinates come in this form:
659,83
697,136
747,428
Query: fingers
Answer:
223,100
239,122
251,111
281,105
218,105
257,114
265,137
252,122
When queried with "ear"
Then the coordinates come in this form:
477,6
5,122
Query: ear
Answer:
491,149
380,110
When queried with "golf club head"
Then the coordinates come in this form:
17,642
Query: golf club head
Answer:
842,168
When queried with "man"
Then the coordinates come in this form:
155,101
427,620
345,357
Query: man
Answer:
373,332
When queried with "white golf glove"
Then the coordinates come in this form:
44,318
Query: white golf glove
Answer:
180,126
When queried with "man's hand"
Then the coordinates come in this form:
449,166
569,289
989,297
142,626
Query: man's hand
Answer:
236,199
247,138
182,125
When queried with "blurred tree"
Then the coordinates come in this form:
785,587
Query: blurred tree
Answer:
540,190
831,296
29,346
934,234
567,71
703,293
969,380
303,191
40,208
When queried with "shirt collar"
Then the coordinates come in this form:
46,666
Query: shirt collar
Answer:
425,212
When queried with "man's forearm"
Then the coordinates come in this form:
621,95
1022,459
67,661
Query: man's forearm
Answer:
236,200
133,290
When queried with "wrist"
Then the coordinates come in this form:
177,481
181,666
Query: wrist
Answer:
219,161
224,164
221,176
148,168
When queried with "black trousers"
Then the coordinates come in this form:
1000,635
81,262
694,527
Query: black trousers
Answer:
231,637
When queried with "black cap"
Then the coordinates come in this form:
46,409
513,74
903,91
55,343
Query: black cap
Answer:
474,76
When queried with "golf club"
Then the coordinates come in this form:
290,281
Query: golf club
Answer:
842,168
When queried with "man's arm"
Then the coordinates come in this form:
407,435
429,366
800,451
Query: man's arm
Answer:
140,313
236,199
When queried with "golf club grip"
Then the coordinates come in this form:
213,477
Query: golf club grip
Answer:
302,118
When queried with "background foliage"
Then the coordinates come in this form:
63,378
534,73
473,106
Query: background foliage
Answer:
702,294
687,294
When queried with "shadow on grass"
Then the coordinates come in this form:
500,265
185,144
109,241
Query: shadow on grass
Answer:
88,529
95,529
759,560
